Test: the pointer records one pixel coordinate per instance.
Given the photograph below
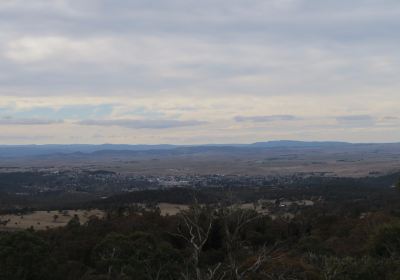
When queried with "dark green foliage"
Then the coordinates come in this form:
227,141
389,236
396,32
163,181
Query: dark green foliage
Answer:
349,268
74,222
145,246
352,233
138,255
386,241
24,256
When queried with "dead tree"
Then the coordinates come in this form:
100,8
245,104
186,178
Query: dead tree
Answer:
235,221
195,228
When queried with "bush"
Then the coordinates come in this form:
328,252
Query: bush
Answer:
386,241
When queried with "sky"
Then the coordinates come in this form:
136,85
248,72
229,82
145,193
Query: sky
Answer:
193,72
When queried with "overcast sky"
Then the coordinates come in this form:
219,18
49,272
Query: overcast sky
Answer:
209,71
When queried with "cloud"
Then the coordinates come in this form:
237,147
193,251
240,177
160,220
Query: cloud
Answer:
72,111
11,121
270,118
390,118
356,120
223,48
142,124
28,50
224,62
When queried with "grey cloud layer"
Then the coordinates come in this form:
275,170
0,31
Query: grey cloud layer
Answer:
216,47
10,121
320,67
356,120
270,118
141,124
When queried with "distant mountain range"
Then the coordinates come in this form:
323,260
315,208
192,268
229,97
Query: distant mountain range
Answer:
42,150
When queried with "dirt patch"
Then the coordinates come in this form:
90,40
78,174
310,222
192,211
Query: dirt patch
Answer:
171,209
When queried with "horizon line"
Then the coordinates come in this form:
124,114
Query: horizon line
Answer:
199,144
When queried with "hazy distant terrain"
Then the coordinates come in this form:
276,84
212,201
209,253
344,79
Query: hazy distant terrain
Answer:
268,158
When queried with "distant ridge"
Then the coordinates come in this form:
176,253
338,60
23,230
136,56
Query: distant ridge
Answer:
301,144
36,150
11,151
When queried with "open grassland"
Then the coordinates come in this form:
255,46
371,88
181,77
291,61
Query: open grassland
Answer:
42,220
171,209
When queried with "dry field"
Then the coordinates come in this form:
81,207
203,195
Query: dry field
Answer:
41,220
171,209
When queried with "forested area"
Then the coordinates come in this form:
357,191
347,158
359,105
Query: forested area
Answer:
215,241
351,231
